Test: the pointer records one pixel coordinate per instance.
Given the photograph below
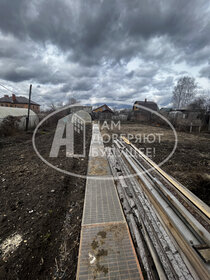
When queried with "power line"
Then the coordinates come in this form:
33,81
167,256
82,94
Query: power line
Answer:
7,88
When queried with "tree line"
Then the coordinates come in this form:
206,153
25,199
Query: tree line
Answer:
185,95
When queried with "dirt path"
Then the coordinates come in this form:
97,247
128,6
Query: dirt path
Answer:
41,205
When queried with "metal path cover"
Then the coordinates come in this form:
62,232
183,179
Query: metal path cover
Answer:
106,249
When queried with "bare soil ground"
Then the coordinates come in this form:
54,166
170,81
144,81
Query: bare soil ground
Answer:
43,206
190,164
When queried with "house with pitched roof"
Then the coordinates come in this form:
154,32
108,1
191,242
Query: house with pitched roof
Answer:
18,102
141,114
103,112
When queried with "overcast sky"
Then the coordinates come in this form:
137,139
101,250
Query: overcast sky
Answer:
122,49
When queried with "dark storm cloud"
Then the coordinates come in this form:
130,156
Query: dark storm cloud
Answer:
106,28
18,71
98,39
205,72
84,85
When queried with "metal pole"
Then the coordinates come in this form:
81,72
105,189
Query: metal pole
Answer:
29,106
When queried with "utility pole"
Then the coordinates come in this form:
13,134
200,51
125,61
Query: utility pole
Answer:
29,106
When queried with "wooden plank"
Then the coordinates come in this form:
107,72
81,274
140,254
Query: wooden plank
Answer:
193,198
194,259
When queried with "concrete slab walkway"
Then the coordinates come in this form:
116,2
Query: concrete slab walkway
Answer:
106,249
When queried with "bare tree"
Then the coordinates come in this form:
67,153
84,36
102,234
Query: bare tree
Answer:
72,101
58,105
201,102
184,91
207,100
208,104
198,103
52,107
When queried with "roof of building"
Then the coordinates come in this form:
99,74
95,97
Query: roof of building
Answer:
166,109
104,108
16,100
189,110
15,112
6,98
149,104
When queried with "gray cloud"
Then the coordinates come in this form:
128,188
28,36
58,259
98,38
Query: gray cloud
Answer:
205,72
123,49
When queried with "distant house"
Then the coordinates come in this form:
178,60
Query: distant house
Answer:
18,102
74,109
140,114
103,113
165,111
120,117
188,118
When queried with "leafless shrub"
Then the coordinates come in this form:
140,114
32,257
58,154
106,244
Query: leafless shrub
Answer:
9,126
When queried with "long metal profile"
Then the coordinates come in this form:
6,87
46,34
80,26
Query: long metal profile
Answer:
185,233
194,199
